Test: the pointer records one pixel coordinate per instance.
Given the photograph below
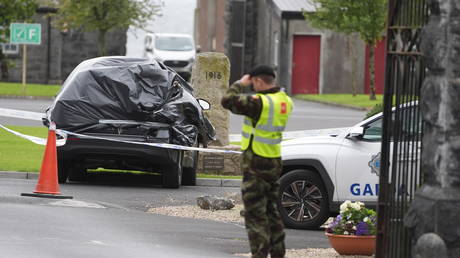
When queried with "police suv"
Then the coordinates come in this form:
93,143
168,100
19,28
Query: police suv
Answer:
322,171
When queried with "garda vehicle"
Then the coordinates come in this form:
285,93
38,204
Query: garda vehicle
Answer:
320,172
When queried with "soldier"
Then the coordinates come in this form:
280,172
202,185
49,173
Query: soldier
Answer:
266,109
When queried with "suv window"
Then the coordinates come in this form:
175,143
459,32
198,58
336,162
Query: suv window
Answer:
373,130
409,127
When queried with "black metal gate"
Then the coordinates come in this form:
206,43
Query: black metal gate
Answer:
402,125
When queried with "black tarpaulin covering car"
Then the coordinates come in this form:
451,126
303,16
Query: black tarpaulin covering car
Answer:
129,99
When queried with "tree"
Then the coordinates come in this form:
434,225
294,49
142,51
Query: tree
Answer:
365,17
104,15
12,11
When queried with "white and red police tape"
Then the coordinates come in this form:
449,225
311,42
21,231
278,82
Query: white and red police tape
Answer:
63,133
233,137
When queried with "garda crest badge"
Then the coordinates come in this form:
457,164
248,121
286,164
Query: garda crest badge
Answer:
374,164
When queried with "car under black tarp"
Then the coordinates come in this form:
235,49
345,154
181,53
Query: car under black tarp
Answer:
124,89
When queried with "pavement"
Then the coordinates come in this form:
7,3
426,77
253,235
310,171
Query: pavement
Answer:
214,182
110,219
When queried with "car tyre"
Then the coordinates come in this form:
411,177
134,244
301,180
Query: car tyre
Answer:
303,201
189,174
77,172
63,171
172,175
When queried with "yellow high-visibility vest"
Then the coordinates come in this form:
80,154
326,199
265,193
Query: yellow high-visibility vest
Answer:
267,132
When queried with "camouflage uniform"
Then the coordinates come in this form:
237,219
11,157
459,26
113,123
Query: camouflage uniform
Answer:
260,182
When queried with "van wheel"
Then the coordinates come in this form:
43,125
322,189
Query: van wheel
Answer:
303,201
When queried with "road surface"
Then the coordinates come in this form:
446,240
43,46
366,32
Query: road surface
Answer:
305,116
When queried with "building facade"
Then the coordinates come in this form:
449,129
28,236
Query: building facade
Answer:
209,32
274,32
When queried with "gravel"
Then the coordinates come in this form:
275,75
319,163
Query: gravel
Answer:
195,212
313,253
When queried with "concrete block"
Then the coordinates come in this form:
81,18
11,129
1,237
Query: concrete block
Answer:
32,175
208,182
15,175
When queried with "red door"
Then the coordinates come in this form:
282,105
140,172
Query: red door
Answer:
305,64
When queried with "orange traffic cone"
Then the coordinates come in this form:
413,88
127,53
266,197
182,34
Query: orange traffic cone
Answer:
47,185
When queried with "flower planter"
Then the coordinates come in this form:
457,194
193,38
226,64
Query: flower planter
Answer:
352,245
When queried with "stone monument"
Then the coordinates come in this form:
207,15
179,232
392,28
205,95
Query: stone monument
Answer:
436,206
210,81
210,76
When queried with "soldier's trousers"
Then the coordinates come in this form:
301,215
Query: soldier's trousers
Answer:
260,193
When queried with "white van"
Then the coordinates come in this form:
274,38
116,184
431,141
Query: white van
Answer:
174,50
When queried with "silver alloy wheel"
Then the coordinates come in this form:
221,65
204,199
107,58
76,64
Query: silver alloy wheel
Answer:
301,200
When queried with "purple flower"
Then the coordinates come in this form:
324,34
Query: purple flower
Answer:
362,229
338,218
334,224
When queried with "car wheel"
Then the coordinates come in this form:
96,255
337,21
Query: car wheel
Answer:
77,172
189,174
63,171
303,201
172,175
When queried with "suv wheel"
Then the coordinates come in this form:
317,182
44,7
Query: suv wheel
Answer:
303,201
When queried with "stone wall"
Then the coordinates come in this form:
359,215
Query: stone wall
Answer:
58,54
78,46
436,206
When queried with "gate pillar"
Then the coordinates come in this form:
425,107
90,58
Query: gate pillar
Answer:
436,207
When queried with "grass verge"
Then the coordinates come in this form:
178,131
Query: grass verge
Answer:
358,101
34,90
199,175
17,154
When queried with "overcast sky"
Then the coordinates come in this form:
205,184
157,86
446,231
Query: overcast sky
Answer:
178,17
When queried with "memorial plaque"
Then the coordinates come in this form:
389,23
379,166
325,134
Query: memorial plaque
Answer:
213,163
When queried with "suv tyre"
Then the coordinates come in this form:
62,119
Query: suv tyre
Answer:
303,201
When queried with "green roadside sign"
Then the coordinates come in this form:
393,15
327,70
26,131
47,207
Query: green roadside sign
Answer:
25,33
